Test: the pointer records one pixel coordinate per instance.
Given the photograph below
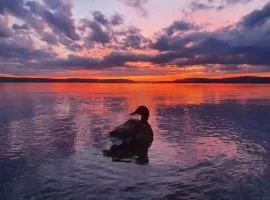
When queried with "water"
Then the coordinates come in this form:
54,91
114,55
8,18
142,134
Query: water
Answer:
211,141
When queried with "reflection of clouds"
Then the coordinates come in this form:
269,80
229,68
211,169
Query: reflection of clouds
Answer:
215,132
83,127
102,107
207,147
203,134
62,108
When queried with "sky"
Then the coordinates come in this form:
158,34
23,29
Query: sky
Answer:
134,39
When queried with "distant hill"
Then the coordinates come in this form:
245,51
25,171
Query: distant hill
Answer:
241,79
69,80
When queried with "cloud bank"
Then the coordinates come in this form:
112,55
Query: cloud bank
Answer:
43,37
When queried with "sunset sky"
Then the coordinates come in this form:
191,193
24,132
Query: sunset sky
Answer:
134,39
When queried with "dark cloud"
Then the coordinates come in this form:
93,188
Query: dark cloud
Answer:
73,62
69,44
11,51
180,26
236,1
133,41
75,46
195,5
115,59
15,7
59,20
53,4
257,17
137,4
123,39
119,59
167,40
132,38
36,15
20,27
100,18
50,38
98,34
100,29
230,67
5,31
54,25
215,4
179,44
117,19
95,32
237,45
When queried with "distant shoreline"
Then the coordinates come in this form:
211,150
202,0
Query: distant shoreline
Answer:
232,80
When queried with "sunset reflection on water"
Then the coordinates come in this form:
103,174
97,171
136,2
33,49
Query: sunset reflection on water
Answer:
215,135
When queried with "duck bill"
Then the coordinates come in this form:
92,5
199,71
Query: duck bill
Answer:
134,113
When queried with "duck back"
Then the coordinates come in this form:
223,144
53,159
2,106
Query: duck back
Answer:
134,131
126,130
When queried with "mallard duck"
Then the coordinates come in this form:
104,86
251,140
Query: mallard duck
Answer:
134,138
135,132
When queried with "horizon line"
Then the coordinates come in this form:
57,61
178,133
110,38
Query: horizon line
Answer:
238,79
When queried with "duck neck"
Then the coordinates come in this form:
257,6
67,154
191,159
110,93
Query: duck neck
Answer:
144,119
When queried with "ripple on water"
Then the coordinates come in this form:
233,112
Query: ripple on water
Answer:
211,142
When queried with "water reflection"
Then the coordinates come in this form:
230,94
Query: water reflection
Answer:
123,153
211,141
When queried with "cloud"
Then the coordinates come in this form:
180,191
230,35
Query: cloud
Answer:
69,44
17,8
132,38
180,26
98,34
59,20
50,38
115,59
20,27
117,19
105,33
238,44
58,15
195,6
100,18
136,4
5,31
180,44
11,51
98,30
257,17
230,67
215,4
53,4
236,1
164,42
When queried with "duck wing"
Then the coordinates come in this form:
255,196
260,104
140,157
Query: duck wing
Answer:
144,136
126,131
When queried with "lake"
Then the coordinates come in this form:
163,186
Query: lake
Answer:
211,141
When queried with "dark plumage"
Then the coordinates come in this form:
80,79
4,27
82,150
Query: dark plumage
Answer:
136,137
135,132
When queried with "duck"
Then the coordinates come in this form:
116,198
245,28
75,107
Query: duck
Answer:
135,131
135,136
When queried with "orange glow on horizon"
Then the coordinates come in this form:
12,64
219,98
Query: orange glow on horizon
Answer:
84,74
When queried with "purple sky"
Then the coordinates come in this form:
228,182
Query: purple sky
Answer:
138,39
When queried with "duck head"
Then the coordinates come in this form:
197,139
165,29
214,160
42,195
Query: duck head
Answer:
143,111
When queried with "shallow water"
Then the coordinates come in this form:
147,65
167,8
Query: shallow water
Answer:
211,141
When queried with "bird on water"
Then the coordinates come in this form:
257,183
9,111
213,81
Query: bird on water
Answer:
135,136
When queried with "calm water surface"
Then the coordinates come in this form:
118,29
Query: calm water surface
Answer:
211,141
